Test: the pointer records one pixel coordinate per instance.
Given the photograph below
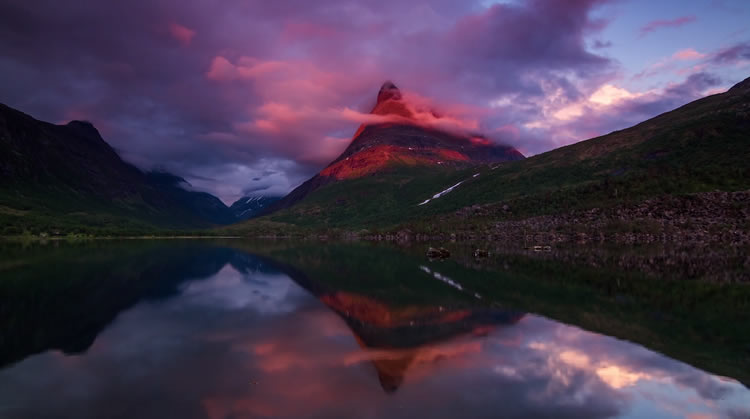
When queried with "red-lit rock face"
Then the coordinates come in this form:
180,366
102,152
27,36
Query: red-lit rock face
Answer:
375,313
373,159
378,325
403,142
376,147
402,139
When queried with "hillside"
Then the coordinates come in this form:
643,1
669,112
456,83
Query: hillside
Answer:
204,205
700,147
63,179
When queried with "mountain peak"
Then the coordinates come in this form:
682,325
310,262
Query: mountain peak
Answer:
85,129
388,91
390,102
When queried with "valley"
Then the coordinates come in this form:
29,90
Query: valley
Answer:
679,177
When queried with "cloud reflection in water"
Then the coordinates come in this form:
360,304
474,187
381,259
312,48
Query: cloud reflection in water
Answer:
252,343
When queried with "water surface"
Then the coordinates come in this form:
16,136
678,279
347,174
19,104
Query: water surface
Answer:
227,330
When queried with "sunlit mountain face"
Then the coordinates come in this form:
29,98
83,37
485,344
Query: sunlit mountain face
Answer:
408,134
401,133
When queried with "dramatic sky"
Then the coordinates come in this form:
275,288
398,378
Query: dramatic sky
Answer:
253,96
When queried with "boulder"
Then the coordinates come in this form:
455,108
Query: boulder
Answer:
438,253
480,254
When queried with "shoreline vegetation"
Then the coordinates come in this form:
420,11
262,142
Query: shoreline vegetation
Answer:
646,253
707,217
715,225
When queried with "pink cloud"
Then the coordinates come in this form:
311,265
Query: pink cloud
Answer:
304,31
181,33
246,68
688,54
423,112
666,23
301,127
671,63
221,70
301,131
304,109
292,81
692,69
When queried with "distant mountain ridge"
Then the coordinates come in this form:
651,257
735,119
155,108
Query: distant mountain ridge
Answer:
203,204
250,206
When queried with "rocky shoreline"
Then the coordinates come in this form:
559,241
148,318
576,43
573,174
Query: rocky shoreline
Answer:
716,218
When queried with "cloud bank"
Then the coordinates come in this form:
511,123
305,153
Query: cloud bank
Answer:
229,92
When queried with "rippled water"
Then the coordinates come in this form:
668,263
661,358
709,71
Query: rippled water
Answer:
194,330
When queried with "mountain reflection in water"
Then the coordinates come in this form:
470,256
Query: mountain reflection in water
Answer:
212,332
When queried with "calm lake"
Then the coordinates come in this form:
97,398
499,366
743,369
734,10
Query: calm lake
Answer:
234,329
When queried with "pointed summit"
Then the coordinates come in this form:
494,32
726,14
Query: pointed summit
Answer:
85,129
390,102
388,91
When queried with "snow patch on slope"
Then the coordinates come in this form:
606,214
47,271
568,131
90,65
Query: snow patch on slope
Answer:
443,278
441,193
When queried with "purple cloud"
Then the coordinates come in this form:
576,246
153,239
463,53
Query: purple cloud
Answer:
666,23
597,116
223,93
733,54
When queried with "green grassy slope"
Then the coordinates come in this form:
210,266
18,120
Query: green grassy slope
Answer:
699,147
60,210
371,200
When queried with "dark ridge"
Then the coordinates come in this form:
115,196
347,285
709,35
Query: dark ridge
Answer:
67,172
85,129
743,86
